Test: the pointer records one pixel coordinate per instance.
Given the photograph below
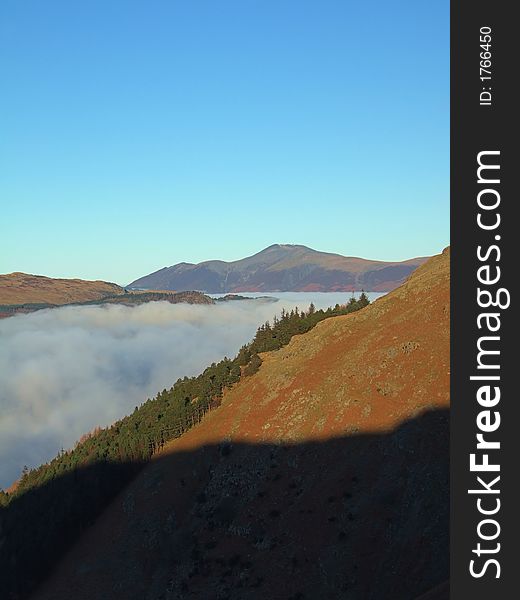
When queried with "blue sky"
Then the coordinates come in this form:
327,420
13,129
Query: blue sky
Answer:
134,135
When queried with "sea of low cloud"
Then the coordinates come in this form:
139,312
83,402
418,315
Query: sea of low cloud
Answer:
65,371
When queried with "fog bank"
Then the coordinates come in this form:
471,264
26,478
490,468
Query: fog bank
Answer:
67,370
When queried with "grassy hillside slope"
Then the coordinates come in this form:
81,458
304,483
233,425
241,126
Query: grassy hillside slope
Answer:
21,288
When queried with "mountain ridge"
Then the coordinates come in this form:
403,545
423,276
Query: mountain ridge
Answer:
282,267
25,288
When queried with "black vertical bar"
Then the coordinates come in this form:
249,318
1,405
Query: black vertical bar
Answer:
484,117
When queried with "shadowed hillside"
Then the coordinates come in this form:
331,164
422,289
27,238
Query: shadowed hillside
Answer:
357,517
322,475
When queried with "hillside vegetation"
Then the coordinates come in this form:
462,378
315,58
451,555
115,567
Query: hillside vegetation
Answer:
126,298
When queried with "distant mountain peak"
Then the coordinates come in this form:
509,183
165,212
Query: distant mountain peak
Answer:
289,246
281,268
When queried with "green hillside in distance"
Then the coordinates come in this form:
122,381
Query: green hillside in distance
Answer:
126,298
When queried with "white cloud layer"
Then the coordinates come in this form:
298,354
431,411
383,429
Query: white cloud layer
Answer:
65,371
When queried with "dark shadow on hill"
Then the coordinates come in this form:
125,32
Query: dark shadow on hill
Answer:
358,517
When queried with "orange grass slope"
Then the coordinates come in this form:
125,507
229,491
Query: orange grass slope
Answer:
322,476
363,372
21,288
